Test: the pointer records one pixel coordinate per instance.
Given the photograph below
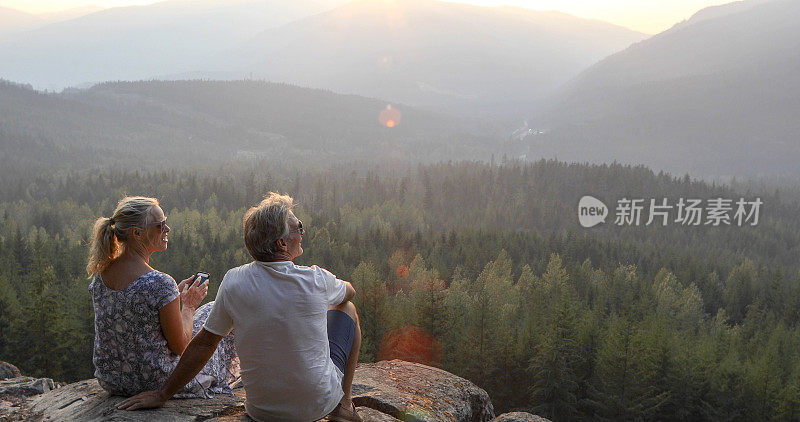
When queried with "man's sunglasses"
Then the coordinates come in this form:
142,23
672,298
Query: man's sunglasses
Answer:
299,228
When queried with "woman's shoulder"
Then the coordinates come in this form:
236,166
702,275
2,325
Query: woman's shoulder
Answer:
95,282
156,280
160,287
158,275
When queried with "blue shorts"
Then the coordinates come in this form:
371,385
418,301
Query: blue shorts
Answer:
341,333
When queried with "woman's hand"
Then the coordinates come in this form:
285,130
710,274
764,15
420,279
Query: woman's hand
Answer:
192,292
145,400
184,283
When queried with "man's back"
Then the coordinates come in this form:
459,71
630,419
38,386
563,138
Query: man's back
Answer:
279,312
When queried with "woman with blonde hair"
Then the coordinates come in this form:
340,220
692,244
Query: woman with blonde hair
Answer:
143,319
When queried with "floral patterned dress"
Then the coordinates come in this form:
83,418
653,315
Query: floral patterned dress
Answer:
131,354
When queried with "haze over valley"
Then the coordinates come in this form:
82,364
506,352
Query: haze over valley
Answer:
712,96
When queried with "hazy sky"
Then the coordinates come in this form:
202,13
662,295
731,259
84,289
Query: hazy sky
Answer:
649,16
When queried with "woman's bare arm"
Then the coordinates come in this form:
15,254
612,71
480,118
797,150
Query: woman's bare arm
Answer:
177,316
174,325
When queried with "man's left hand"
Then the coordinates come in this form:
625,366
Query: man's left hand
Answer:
145,400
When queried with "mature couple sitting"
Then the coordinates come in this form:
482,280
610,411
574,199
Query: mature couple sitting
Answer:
295,330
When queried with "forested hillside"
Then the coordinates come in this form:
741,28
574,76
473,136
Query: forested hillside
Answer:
488,263
194,123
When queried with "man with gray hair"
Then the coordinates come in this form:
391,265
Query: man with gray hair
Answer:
297,331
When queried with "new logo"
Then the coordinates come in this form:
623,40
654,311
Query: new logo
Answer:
591,211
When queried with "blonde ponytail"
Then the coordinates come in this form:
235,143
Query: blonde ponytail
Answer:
104,247
109,234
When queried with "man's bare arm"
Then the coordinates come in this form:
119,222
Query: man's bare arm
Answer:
350,292
197,353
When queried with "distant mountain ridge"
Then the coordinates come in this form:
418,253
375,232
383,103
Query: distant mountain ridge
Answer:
715,95
756,36
139,42
458,58
717,11
12,20
182,122
448,57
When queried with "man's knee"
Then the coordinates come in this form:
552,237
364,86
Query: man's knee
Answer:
349,308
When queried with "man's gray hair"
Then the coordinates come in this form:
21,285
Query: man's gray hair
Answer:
265,223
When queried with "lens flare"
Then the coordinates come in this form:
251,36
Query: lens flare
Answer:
412,344
390,117
385,62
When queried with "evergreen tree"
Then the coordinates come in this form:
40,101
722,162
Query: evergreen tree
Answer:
371,303
9,313
40,323
626,366
555,388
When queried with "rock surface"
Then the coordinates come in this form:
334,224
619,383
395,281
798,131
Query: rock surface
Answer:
383,391
87,401
25,386
519,417
416,392
8,370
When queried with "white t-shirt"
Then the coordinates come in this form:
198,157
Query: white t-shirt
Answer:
279,311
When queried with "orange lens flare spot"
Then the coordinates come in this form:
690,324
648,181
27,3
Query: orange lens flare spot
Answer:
412,344
390,117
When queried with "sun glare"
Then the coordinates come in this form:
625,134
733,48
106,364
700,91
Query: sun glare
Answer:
412,344
390,117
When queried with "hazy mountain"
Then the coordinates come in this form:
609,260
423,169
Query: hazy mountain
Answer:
458,58
67,14
12,20
715,95
141,41
183,122
722,10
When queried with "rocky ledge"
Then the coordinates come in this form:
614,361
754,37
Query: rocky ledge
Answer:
383,391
